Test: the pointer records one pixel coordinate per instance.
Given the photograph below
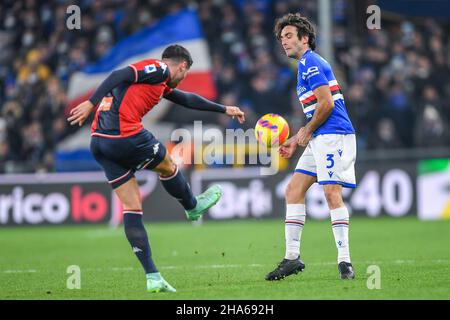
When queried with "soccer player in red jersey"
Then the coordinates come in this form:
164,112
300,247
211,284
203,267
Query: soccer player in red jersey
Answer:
122,146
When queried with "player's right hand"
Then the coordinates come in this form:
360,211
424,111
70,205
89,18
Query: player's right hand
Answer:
288,148
80,113
234,111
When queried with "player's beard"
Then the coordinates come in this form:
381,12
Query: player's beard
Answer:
292,55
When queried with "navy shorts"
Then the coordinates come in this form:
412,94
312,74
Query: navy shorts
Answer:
120,158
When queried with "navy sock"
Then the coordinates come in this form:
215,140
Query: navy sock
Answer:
137,237
177,186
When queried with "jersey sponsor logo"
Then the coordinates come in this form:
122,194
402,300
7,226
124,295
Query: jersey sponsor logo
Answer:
300,90
303,61
312,71
150,68
105,104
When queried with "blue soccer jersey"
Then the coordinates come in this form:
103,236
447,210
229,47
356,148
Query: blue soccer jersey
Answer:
313,72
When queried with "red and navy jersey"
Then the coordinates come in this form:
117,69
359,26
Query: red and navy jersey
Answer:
119,114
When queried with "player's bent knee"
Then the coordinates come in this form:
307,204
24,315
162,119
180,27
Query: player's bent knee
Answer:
166,167
166,171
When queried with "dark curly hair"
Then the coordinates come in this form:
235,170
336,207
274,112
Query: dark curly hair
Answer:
303,25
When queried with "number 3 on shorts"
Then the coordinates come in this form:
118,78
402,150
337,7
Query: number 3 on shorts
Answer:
330,158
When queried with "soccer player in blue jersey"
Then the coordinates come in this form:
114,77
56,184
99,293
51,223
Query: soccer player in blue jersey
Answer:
330,146
121,145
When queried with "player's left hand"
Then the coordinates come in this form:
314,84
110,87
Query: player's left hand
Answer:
233,111
303,137
80,113
288,148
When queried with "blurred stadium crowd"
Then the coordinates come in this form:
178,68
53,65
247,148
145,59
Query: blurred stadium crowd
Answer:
396,80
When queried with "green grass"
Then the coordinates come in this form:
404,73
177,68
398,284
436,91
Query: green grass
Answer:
227,260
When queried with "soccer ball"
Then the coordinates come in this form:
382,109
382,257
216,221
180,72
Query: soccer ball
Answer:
271,130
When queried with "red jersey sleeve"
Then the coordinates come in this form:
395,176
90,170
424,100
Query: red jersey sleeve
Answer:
167,90
150,71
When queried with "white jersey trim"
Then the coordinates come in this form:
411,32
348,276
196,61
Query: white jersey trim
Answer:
312,107
310,92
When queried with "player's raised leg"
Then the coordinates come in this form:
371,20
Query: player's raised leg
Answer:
295,220
340,224
128,194
176,185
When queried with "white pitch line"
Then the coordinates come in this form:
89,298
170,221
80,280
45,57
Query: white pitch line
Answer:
122,269
20,271
231,266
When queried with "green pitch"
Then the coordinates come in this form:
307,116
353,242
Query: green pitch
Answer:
227,260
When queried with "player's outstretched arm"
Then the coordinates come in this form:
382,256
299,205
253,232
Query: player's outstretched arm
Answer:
80,113
194,101
117,77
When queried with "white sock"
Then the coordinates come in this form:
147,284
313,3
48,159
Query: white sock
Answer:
293,227
340,225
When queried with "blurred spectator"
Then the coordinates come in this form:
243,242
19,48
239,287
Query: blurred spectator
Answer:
432,127
386,136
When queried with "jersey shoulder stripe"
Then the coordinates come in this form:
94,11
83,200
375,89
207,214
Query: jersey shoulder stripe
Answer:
150,71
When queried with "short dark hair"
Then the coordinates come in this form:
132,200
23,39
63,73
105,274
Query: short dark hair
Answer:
177,52
303,25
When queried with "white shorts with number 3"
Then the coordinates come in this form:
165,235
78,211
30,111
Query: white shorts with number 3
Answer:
330,158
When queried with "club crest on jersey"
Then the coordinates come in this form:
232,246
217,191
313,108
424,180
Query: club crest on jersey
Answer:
150,68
